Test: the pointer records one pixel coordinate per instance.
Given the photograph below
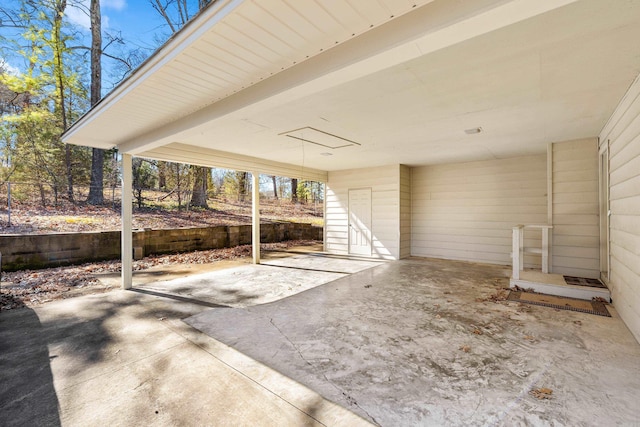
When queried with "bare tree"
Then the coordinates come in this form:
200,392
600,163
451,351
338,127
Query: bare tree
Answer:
294,190
199,194
176,14
96,193
275,186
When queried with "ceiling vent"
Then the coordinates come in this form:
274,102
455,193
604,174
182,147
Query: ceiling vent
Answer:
318,137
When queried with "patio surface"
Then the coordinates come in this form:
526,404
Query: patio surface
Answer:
412,342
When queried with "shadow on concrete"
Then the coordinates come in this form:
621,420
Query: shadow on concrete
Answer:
27,394
179,298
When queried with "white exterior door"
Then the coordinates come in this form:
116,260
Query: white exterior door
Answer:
360,222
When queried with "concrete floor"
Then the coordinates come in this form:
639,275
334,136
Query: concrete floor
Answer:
246,285
127,359
421,342
414,342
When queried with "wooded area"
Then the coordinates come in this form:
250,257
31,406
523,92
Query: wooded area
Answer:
62,78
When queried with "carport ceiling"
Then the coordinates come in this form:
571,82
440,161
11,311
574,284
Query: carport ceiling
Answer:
403,91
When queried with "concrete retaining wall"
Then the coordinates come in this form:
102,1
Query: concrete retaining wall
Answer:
51,250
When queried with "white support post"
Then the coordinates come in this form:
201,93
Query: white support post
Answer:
255,218
515,252
324,216
127,216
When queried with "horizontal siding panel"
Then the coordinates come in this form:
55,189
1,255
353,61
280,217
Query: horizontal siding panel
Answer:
384,183
625,172
467,211
479,187
577,241
569,198
626,206
574,230
629,223
620,154
628,188
576,251
575,176
486,218
575,208
482,202
624,140
623,133
482,168
573,262
488,258
627,241
625,295
575,187
575,219
484,195
496,226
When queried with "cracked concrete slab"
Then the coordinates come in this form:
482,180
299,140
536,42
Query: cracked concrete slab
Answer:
430,342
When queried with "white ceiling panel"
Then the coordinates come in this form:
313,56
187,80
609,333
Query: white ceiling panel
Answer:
551,77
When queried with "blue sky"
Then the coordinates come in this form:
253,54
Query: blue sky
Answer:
139,24
135,19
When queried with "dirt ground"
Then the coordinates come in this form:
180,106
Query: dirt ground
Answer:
31,288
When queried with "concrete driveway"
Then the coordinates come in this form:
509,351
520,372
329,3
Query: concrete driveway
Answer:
126,359
414,342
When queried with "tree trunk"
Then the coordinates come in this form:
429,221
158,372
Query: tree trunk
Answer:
162,175
58,49
96,187
199,193
294,190
275,187
242,186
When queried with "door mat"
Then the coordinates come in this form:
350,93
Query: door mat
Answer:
562,303
583,281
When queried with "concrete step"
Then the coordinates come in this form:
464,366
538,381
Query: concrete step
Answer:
554,284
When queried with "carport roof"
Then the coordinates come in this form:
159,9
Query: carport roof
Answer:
399,80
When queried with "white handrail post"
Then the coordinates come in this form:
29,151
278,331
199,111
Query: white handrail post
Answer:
521,248
545,249
516,252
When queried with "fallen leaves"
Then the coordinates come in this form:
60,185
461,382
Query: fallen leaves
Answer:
33,219
500,295
541,393
31,288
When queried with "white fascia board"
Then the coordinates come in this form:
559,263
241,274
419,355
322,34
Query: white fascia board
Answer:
427,29
186,36
193,155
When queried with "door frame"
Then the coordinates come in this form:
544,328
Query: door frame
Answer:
604,212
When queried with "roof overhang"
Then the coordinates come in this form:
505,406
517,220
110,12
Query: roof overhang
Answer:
401,79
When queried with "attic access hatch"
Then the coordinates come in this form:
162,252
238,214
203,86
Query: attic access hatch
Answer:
319,137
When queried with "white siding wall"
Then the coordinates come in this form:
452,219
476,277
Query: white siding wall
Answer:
576,245
623,133
385,202
466,211
405,211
